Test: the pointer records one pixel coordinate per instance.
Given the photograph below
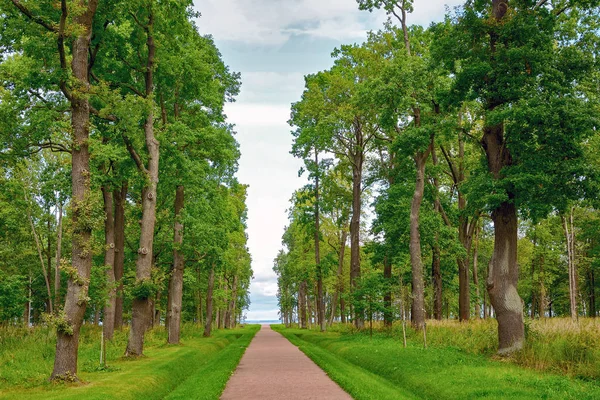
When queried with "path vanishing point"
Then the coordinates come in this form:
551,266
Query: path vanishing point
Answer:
273,368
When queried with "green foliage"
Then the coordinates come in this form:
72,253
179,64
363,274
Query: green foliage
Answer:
143,289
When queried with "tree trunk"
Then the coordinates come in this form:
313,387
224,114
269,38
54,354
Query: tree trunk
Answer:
388,314
175,297
67,341
302,305
476,275
232,304
542,299
119,198
503,276
108,321
209,302
355,228
436,274
418,296
592,284
59,233
569,231
339,290
38,246
140,315
320,302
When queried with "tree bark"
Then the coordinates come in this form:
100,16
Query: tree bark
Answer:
59,233
592,298
320,302
209,302
503,276
230,321
176,283
141,307
302,305
418,296
119,199
67,343
339,290
388,315
436,275
108,321
357,169
476,275
38,246
569,231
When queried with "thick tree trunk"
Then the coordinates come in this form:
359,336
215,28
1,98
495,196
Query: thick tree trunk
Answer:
355,228
175,297
141,307
503,276
418,296
67,343
209,302
119,198
59,233
108,321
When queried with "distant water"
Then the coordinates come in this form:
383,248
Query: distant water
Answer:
263,321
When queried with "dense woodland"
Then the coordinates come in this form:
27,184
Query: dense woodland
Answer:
118,200
453,172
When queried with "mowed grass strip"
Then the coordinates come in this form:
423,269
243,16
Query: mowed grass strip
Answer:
435,373
158,374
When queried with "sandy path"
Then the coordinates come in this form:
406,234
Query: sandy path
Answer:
273,368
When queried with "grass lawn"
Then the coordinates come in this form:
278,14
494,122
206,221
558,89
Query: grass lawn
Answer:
380,368
199,368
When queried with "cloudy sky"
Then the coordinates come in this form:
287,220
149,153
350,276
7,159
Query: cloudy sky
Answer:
274,43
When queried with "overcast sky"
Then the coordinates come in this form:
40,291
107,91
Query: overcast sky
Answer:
274,43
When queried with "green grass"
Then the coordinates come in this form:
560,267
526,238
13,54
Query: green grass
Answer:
380,368
197,369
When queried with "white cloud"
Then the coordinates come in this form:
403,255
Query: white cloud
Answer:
258,115
268,87
273,22
268,22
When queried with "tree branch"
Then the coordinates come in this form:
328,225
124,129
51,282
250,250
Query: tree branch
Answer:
34,18
450,165
134,155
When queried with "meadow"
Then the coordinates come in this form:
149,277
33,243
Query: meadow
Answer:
197,369
561,361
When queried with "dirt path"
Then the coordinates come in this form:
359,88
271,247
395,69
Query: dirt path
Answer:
273,368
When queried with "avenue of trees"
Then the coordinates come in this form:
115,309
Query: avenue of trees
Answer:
453,171
118,201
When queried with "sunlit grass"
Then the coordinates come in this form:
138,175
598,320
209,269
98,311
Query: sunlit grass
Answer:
459,363
198,368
